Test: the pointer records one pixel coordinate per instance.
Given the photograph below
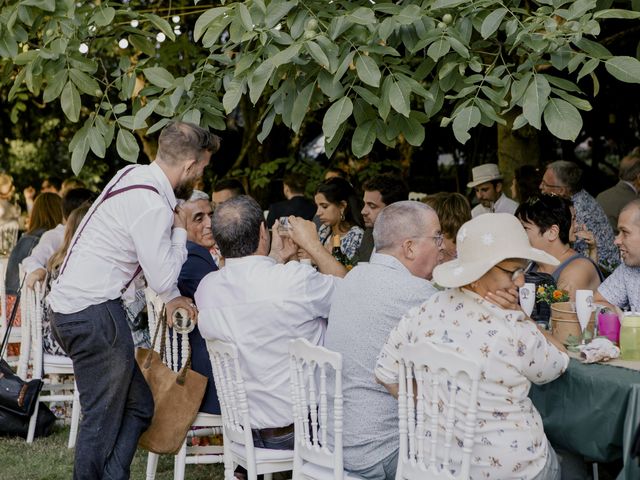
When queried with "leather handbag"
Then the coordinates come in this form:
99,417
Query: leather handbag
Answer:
177,396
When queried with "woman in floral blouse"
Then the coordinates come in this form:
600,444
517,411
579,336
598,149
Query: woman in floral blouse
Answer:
479,317
339,211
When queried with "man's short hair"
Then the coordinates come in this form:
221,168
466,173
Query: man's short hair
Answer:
633,205
569,174
399,221
75,197
53,181
630,168
197,195
295,181
453,211
231,184
391,187
181,141
236,226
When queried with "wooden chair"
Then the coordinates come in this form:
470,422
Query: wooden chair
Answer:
313,459
204,424
428,398
238,439
44,365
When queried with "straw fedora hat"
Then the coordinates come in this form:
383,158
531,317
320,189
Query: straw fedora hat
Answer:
482,243
484,173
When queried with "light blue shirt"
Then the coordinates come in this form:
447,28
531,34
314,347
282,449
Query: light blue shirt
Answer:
367,305
622,288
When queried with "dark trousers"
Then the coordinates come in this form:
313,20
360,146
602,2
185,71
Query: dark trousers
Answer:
116,402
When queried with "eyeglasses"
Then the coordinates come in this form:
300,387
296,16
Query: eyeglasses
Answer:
438,239
514,273
548,185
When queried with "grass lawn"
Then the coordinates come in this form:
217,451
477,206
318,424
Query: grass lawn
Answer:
50,459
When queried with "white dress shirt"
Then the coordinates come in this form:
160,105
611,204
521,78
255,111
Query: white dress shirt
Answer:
260,305
503,205
129,229
49,243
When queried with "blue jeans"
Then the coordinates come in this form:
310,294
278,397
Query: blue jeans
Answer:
280,442
116,402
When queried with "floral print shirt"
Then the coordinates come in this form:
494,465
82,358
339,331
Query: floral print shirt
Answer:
590,213
509,440
349,243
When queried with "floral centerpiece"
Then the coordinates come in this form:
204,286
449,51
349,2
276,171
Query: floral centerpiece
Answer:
549,293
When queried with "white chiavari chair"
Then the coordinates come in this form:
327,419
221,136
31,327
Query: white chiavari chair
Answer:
435,382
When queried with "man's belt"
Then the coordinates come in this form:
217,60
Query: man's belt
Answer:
273,432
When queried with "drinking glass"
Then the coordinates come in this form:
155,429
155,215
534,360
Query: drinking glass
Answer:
527,297
182,323
584,308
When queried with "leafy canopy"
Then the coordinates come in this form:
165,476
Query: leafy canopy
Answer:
377,71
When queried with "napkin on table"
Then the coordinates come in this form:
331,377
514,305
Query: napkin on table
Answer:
598,350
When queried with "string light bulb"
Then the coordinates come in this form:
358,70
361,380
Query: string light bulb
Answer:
83,48
123,43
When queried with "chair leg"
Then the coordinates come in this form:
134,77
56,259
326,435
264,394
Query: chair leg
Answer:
180,462
594,465
75,417
152,465
32,422
267,476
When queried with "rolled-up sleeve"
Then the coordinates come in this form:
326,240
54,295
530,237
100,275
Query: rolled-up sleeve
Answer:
161,250
614,288
389,357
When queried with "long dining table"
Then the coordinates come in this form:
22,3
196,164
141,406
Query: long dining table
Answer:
593,410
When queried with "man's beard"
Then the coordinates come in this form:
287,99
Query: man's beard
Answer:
185,189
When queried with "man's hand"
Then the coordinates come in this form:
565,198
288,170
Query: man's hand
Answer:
507,299
282,247
34,277
181,302
179,217
29,193
303,232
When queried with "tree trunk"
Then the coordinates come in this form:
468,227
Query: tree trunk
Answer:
516,148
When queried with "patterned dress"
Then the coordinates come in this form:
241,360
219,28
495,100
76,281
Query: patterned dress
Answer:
509,440
349,244
590,213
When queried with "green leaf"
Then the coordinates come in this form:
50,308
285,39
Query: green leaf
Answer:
206,19
233,94
363,138
579,8
127,146
139,120
412,130
362,16
492,22
79,155
276,10
562,119
366,95
286,55
258,80
617,13
399,97
300,106
592,48
245,16
625,69
84,82
336,115
192,116
408,15
447,3
161,24
267,125
368,70
535,99
588,67
103,17
96,142
465,120
158,125
159,76
141,43
70,102
519,122
331,144
459,47
344,65
54,86
119,108
46,5
579,103
317,53
439,48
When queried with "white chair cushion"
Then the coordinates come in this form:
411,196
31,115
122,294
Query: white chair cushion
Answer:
316,472
57,361
263,454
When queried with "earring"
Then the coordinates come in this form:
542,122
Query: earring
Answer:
342,215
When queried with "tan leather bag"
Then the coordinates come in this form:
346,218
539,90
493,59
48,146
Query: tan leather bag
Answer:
177,396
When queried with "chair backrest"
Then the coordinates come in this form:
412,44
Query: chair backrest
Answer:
435,382
417,196
175,343
309,365
31,348
8,236
3,296
233,398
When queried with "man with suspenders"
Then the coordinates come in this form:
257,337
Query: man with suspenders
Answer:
134,226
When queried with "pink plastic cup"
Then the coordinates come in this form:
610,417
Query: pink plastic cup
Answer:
609,326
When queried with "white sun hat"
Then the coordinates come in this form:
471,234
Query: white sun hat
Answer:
482,243
484,173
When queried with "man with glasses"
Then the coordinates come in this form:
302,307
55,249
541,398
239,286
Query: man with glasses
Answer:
564,179
368,305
